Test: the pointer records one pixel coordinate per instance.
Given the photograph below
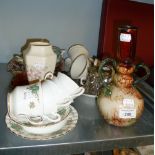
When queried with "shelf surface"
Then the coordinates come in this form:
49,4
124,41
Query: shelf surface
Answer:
91,133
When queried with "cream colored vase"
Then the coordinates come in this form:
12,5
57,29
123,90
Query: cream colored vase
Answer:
39,59
119,102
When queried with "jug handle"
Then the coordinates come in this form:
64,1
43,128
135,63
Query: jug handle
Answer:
106,61
147,70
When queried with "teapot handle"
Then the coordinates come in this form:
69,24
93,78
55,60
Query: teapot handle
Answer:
147,70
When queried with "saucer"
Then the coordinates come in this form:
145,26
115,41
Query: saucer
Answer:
22,119
44,132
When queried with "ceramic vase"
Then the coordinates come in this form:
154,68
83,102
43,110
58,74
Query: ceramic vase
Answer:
39,59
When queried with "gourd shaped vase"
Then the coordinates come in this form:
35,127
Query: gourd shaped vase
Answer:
39,59
119,102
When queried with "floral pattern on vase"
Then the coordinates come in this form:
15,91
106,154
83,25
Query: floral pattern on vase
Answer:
35,73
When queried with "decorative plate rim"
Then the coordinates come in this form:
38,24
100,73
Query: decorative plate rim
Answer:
19,130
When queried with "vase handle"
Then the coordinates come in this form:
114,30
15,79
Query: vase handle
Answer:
105,62
147,70
106,70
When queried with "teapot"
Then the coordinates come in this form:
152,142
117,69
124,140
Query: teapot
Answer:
119,102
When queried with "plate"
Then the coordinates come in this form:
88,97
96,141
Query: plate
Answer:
44,132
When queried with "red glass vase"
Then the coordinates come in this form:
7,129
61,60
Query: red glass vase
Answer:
127,39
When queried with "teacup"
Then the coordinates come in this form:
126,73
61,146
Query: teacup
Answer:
78,66
83,76
78,56
34,104
76,50
52,93
67,85
25,100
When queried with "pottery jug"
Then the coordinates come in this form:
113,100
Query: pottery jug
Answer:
39,59
119,102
